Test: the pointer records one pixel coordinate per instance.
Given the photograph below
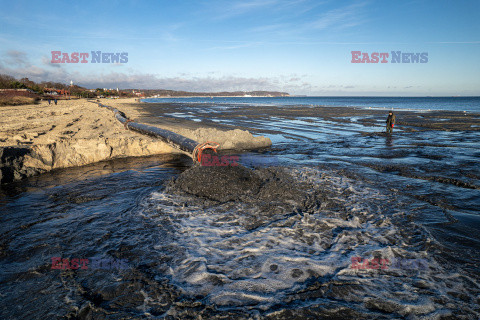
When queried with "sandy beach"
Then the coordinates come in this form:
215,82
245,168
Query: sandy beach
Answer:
42,137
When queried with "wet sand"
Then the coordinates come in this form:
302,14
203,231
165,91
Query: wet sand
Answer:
410,121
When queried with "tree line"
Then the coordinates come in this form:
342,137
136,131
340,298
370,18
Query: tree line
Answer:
9,82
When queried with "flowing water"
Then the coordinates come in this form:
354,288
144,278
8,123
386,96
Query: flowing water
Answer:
344,193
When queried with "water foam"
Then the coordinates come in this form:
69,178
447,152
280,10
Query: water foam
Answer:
220,259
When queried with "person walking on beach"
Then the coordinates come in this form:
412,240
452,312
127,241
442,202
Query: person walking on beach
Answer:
390,122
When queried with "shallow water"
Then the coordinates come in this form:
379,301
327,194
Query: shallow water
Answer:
412,196
383,103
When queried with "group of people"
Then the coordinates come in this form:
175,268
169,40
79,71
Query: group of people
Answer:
54,100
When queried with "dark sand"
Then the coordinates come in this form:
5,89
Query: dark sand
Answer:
409,121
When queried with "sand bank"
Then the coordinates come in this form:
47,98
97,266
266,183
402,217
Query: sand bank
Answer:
229,138
43,137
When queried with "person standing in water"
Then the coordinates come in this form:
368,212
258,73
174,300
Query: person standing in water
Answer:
390,122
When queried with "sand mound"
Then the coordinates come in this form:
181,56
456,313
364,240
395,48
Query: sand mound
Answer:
228,139
273,191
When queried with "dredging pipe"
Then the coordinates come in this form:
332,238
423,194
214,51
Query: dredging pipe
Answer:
192,147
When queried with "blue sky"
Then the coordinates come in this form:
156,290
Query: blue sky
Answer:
298,46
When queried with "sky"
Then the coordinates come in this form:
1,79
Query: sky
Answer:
303,47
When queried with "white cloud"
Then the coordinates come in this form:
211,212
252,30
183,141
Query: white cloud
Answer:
197,83
344,17
336,19
206,82
128,79
16,58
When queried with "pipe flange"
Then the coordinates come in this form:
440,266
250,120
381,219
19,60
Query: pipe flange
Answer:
197,152
126,123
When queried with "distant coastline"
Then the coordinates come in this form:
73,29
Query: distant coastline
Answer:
162,93
209,96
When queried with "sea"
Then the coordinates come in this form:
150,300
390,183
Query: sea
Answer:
396,234
389,103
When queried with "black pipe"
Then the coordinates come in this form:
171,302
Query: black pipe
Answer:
171,138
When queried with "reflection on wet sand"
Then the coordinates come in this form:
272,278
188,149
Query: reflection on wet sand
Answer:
389,140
